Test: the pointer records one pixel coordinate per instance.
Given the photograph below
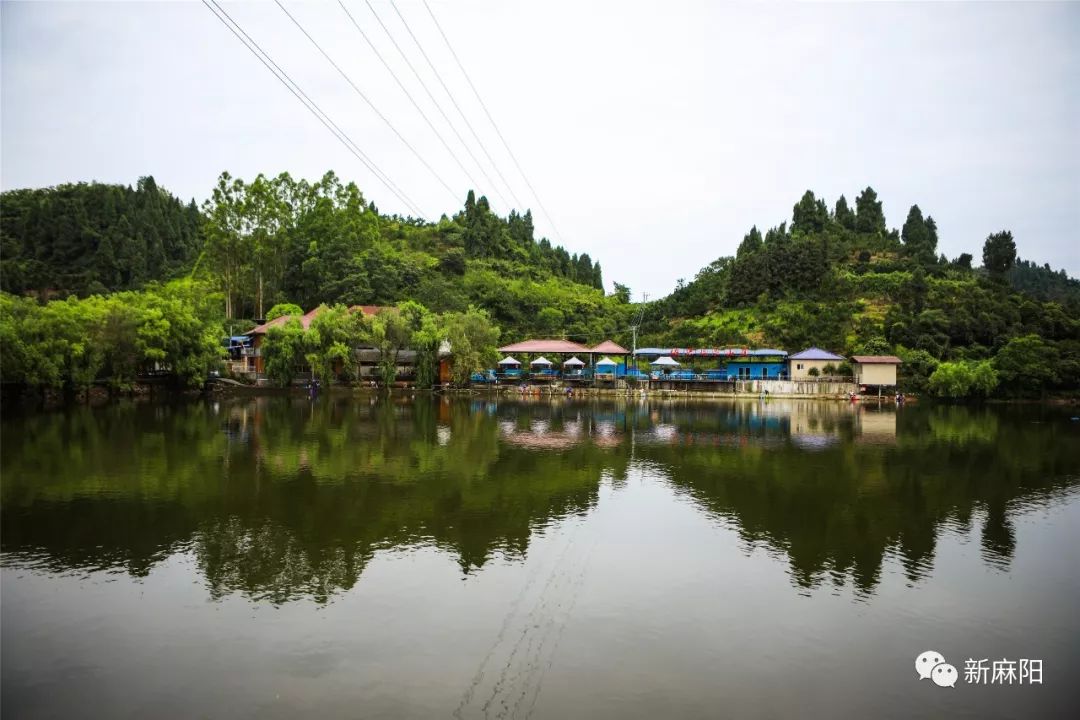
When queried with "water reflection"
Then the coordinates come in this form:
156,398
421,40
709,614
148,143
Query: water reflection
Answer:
279,499
838,488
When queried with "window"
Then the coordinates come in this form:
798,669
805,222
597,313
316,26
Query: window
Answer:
764,373
744,373
798,366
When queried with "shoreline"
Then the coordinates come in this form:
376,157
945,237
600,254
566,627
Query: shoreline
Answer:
29,399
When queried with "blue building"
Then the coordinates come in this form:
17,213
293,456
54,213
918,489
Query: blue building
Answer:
733,363
764,364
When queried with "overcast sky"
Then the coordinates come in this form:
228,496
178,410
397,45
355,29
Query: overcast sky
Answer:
655,133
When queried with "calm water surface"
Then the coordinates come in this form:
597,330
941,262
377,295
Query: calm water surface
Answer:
551,559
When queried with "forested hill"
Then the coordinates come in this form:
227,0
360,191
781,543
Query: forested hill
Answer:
278,239
840,279
94,238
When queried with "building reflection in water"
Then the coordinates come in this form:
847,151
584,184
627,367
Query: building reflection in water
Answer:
282,498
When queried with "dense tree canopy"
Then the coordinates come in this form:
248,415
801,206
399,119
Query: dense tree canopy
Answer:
999,253
282,240
846,282
69,344
277,246
93,238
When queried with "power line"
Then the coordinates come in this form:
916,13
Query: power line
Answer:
492,121
311,105
407,94
464,117
370,104
261,55
435,102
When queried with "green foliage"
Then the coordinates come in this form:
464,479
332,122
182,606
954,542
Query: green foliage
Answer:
783,265
1043,283
809,215
330,343
814,372
282,309
851,285
288,244
473,340
173,328
869,217
283,351
621,293
962,379
840,280
390,333
844,215
919,237
426,334
999,253
917,367
93,238
339,249
1026,365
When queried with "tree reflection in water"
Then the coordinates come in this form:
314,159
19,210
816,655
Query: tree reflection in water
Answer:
280,499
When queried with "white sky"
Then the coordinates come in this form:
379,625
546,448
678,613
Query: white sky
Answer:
656,133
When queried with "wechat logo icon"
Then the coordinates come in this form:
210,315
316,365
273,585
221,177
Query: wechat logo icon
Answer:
931,664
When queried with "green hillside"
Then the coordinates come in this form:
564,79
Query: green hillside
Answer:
276,240
840,279
281,240
835,277
94,238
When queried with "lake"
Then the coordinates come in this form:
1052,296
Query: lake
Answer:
401,558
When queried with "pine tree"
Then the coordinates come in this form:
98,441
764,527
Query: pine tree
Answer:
843,214
869,217
919,237
750,244
809,215
999,253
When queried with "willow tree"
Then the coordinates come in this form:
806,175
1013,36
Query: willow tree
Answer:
389,332
473,339
330,341
282,351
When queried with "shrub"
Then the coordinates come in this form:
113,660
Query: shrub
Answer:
962,379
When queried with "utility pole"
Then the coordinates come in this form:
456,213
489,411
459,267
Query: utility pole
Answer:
634,327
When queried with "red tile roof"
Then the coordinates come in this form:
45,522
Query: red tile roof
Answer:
307,317
877,359
368,310
609,348
305,320
544,346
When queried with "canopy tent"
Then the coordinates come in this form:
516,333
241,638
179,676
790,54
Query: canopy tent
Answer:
508,361
609,348
606,361
544,346
574,361
541,361
665,361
